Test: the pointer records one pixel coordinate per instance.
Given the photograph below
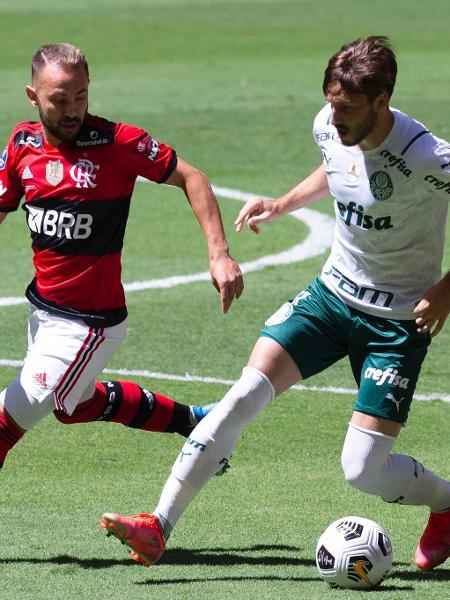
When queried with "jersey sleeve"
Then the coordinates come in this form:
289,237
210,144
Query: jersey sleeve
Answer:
436,175
146,156
10,184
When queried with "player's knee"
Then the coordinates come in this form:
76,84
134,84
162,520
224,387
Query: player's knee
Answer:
365,459
22,406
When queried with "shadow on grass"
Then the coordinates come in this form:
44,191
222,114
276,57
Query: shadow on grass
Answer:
252,555
256,555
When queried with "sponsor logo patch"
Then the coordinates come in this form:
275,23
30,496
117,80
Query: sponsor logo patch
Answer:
438,184
323,136
147,145
94,137
27,138
3,158
388,375
58,224
354,214
396,161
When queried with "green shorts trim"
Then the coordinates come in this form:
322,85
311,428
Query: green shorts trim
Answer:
386,355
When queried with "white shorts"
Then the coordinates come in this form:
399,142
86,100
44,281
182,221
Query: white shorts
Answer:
64,357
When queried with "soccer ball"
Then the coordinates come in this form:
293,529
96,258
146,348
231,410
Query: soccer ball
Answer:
354,552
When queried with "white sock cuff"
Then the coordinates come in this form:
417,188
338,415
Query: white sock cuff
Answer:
370,432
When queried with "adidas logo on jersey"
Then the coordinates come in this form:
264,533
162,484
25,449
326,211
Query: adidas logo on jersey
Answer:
27,174
41,379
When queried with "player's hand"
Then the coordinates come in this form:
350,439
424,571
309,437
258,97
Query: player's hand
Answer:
255,212
227,278
433,309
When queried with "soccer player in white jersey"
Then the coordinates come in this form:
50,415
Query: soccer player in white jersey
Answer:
379,300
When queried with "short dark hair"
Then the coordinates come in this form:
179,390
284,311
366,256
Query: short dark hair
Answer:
63,54
366,66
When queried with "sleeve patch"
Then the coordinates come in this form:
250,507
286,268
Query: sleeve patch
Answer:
4,158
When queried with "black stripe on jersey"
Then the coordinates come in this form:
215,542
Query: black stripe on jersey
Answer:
73,227
415,138
93,136
170,168
93,318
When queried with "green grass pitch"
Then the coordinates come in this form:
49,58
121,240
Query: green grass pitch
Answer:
233,85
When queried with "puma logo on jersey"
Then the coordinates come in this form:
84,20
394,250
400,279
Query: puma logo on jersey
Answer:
59,223
353,214
389,376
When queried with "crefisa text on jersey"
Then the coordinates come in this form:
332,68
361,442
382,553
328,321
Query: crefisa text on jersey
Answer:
353,214
396,161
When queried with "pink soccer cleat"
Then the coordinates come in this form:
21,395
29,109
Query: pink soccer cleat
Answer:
142,533
434,546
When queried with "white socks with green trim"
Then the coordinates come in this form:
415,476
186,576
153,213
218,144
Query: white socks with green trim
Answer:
369,466
211,443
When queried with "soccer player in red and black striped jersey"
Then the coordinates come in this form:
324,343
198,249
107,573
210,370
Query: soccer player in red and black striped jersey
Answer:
75,173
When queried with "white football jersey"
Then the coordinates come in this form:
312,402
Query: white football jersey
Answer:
391,210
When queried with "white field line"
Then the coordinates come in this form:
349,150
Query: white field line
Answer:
187,378
319,239
317,242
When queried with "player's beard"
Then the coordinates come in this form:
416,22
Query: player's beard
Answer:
361,131
55,129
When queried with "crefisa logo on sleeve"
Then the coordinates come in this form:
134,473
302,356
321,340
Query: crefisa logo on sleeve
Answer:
3,158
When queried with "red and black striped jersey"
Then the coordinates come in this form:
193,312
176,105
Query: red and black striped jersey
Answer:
76,200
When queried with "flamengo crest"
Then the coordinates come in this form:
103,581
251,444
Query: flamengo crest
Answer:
83,173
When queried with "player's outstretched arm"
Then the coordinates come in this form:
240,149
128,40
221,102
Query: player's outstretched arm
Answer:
434,307
261,210
226,275
3,216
